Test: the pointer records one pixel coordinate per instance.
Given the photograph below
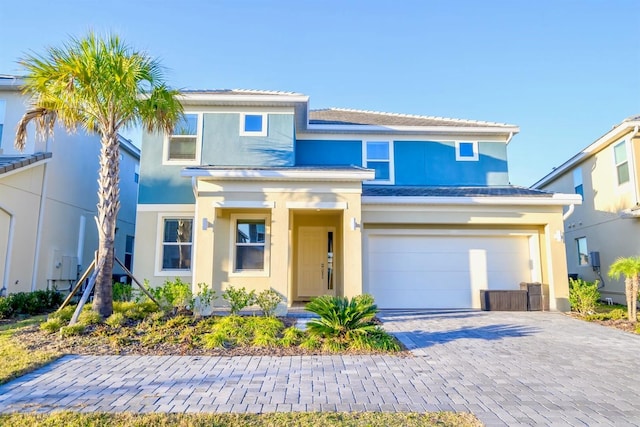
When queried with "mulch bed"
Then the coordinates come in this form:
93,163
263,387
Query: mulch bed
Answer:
623,325
96,342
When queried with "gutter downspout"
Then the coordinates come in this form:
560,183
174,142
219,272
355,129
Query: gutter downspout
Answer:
43,199
194,247
569,212
7,259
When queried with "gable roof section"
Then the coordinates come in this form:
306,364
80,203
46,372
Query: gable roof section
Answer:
13,163
628,125
497,195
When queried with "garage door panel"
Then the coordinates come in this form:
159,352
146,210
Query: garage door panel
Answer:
423,271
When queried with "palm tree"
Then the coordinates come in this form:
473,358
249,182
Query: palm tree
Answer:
101,85
629,268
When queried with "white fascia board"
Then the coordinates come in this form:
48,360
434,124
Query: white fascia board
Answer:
612,136
183,208
557,199
506,130
221,97
295,175
249,204
317,205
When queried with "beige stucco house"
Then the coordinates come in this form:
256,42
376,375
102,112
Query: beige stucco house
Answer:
606,226
48,201
254,189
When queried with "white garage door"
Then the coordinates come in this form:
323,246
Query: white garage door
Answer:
436,271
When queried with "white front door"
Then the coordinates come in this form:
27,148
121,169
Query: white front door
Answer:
315,261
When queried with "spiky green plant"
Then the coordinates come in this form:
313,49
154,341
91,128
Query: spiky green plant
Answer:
340,317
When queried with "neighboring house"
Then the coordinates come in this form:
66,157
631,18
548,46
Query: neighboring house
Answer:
48,201
607,175
255,190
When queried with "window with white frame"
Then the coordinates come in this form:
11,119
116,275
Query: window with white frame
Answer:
577,182
182,145
177,242
253,124
250,250
128,252
378,155
466,151
583,254
622,165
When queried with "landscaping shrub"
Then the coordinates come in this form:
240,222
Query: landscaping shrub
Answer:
122,291
174,295
73,330
292,336
64,315
89,317
203,300
234,330
116,320
52,325
615,314
268,301
341,317
238,298
31,303
583,296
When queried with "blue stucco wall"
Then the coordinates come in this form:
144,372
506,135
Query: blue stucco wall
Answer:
160,184
434,163
223,145
320,152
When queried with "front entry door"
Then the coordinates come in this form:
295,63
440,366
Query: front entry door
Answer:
315,261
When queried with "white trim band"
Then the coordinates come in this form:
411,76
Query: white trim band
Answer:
556,200
317,205
304,175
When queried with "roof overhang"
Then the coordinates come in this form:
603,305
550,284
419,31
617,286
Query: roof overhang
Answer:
212,98
506,131
610,137
557,199
284,174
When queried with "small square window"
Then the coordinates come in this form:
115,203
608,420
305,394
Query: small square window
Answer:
466,151
183,143
253,125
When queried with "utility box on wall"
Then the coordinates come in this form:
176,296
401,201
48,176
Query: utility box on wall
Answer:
63,267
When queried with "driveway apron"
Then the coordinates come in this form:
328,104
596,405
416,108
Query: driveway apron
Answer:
506,368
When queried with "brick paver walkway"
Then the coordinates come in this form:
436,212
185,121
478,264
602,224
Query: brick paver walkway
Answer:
506,368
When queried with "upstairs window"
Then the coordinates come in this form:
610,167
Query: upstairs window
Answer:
583,254
136,174
378,155
182,145
253,124
177,240
622,165
466,151
577,182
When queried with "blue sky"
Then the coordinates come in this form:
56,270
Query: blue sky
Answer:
565,71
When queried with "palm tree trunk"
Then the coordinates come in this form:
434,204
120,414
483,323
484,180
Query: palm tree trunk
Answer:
628,287
634,299
108,206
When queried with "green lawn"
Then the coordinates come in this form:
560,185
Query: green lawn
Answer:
290,419
15,359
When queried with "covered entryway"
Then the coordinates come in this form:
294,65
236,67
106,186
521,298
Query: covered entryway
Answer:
445,269
317,253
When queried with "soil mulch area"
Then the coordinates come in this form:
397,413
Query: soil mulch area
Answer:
623,325
96,341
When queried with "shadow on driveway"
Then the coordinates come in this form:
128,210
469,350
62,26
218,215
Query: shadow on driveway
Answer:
422,339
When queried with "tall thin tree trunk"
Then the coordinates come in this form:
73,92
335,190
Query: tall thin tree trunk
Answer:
627,290
634,298
108,206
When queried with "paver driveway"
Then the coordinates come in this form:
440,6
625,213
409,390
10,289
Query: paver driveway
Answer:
507,368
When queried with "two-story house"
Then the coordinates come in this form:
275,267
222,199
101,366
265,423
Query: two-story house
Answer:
48,201
253,189
605,226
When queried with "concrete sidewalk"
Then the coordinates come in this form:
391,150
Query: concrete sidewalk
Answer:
506,368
